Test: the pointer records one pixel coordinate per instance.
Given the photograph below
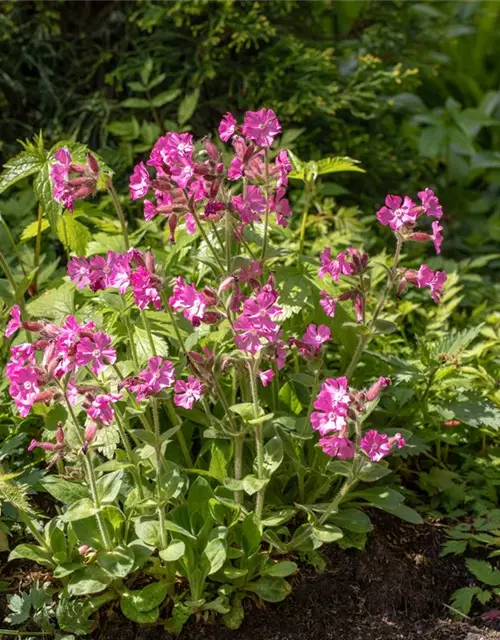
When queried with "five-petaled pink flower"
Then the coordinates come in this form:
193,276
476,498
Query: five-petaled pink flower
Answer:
227,126
435,280
187,392
261,126
158,375
377,445
337,447
430,203
95,351
316,336
139,181
398,212
332,405
101,409
79,271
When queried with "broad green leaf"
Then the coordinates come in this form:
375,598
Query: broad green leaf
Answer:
371,472
391,501
91,579
79,510
21,166
215,554
63,490
245,410
270,589
327,533
31,552
164,97
54,304
341,467
281,569
149,597
143,346
484,571
289,398
72,614
234,617
31,231
352,520
461,599
173,552
250,534
118,562
131,612
148,531
73,234
252,484
108,486
188,106
273,455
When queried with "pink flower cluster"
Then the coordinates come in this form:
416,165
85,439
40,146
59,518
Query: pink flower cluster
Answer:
334,406
188,179
119,271
160,375
312,341
424,277
195,305
401,216
347,263
71,181
62,350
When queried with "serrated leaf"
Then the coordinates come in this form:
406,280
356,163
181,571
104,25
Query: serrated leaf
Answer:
54,304
73,234
21,166
461,599
188,106
31,231
42,188
484,571
143,346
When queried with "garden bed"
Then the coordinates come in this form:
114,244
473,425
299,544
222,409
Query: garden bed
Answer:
397,589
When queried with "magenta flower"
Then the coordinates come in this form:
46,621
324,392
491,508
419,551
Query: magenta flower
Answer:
328,303
266,377
187,392
374,391
79,272
332,404
283,167
336,267
377,445
101,409
190,224
158,375
15,323
171,148
112,271
250,272
337,447
145,288
437,238
315,337
261,126
435,280
281,206
182,172
139,181
248,336
236,169
398,212
95,351
187,299
430,203
24,387
227,126
59,175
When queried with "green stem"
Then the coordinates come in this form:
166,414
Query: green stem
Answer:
130,454
13,243
159,462
38,243
205,238
259,437
7,632
119,212
365,338
308,194
126,319
147,328
175,420
238,464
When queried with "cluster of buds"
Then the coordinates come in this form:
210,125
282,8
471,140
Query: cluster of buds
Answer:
350,263
71,181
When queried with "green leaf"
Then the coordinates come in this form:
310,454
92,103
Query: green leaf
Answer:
220,456
327,533
215,554
79,510
453,546
352,520
31,231
236,614
273,455
149,597
72,615
136,103
270,589
54,304
63,490
131,612
21,166
164,97
108,486
461,599
281,569
484,571
73,234
31,552
188,106
251,484
143,347
91,579
173,552
341,467
148,531
250,532
371,472
391,501
245,410
289,398
118,562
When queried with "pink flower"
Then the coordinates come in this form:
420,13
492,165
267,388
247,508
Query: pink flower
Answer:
437,238
328,303
101,409
261,126
377,445
190,224
112,271
398,212
250,271
332,404
187,392
316,336
15,323
182,172
281,206
248,337
430,203
236,169
139,181
96,351
145,287
158,375
171,148
187,299
426,277
24,388
335,268
284,167
59,175
337,447
79,272
227,126
266,377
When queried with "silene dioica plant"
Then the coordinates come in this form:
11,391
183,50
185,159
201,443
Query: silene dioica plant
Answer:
189,474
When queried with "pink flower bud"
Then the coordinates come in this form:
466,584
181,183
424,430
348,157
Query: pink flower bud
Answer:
226,284
90,432
374,391
420,237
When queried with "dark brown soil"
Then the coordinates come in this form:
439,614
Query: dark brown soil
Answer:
396,590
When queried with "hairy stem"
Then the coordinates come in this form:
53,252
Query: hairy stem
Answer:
119,212
259,437
266,215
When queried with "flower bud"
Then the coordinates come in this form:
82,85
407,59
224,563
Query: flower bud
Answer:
374,391
90,432
226,284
